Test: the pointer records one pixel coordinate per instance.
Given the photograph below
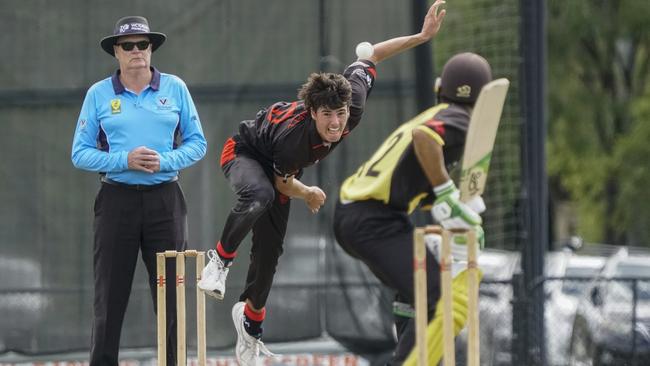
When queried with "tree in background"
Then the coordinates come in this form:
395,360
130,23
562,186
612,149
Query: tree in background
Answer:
633,153
598,52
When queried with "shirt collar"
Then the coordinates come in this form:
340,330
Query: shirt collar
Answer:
119,88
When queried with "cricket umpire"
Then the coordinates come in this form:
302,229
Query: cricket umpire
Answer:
137,128
411,167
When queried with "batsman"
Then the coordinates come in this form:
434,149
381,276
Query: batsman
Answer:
412,169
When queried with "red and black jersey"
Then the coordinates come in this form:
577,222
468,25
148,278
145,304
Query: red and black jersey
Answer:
284,137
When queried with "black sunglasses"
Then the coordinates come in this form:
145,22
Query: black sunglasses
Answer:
128,46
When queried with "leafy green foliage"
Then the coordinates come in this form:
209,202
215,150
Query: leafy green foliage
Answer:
632,152
598,70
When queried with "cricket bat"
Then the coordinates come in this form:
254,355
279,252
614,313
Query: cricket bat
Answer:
481,134
477,154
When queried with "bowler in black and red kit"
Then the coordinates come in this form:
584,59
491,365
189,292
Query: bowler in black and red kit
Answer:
263,163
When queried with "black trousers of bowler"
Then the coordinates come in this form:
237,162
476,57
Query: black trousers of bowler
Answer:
382,238
129,221
264,211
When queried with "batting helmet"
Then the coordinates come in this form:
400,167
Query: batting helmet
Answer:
463,76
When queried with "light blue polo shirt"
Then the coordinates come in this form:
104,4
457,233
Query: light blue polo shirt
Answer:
114,121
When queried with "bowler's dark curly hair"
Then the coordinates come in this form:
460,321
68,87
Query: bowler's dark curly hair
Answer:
325,89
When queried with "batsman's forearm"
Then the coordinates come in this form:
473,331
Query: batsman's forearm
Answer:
430,156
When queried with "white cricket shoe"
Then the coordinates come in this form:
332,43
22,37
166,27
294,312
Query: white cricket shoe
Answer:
248,348
213,276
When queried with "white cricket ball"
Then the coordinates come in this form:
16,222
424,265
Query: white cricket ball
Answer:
364,50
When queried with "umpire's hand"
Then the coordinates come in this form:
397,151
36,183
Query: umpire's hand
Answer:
144,159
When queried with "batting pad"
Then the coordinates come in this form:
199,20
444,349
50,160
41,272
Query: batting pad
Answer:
434,329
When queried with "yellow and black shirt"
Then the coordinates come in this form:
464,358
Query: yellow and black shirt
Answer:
393,174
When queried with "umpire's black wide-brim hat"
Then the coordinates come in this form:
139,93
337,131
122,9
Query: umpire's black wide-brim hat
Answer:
129,26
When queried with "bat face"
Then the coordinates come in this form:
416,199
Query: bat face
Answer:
479,143
475,176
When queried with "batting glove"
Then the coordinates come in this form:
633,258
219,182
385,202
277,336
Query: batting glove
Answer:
477,204
449,211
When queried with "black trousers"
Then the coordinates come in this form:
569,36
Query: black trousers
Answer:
383,239
263,210
127,222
